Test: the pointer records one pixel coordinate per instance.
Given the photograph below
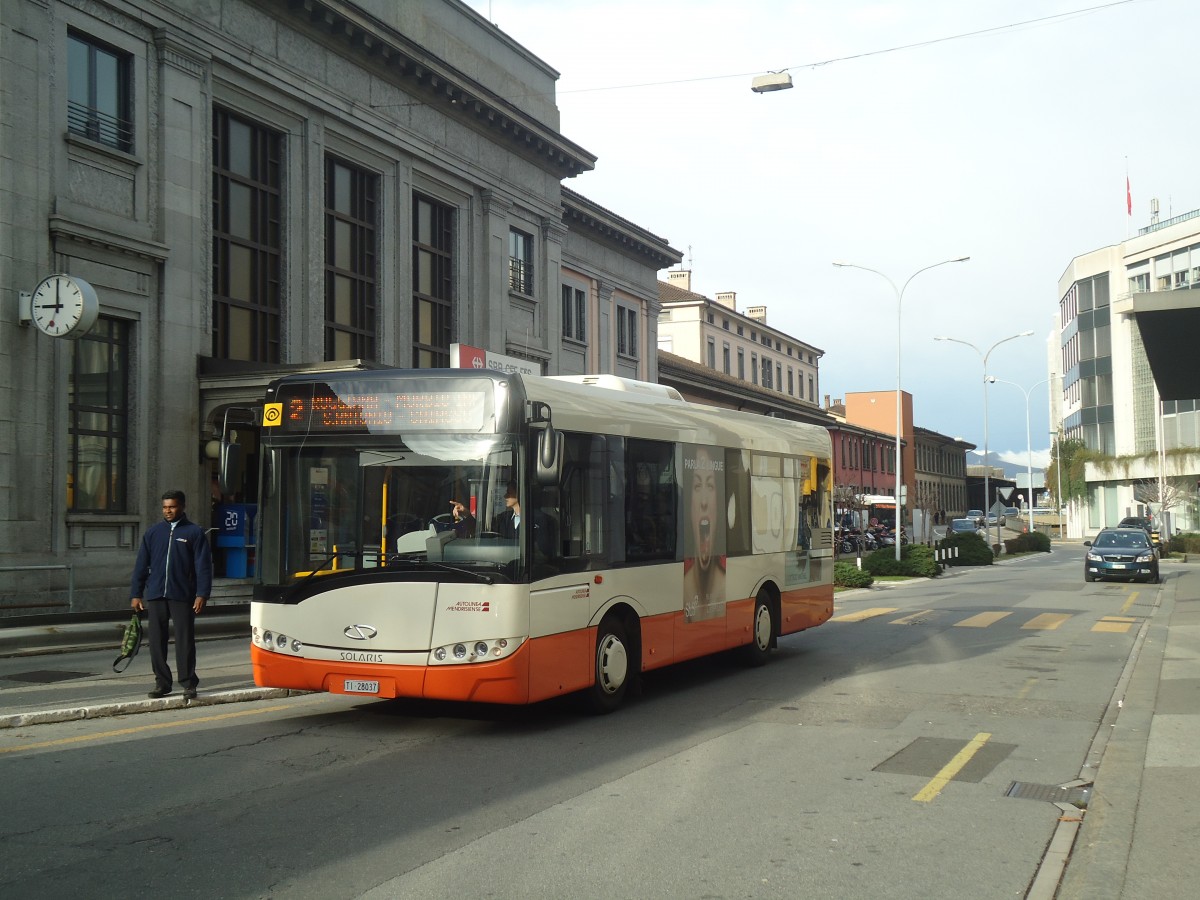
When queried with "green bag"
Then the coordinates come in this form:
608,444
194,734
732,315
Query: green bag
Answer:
131,642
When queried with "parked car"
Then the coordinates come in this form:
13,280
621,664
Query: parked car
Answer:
976,516
1146,525
963,526
1120,553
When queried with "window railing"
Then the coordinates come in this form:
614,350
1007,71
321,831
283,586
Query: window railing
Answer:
99,127
520,276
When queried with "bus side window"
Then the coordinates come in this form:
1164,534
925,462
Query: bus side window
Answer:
583,502
650,501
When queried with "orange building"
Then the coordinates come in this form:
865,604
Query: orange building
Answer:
877,410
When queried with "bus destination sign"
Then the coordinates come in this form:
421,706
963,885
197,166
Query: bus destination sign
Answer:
383,412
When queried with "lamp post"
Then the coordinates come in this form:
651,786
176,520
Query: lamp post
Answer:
899,291
987,466
1028,445
1058,473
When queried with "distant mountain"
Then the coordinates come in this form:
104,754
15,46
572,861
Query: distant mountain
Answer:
1011,470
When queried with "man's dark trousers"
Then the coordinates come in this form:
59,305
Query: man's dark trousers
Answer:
182,614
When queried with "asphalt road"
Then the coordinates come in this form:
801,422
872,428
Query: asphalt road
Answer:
872,757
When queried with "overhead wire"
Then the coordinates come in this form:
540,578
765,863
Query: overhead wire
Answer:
827,62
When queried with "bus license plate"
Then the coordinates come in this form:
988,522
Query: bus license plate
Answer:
361,687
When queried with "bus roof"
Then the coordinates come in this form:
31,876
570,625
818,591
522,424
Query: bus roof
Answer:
594,406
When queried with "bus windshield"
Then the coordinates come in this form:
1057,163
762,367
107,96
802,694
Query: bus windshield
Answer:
419,504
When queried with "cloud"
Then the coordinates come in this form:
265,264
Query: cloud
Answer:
1040,458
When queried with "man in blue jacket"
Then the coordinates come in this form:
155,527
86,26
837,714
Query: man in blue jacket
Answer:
172,578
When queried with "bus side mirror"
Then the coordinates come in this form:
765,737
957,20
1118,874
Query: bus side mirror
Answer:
549,456
229,474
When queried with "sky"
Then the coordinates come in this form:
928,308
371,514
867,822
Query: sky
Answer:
1011,147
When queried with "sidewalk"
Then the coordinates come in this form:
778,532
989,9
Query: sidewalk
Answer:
55,672
1139,834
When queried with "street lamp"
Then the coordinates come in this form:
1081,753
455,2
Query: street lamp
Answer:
987,497
899,303
1028,446
1058,472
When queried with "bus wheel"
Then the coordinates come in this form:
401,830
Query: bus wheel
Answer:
762,632
612,666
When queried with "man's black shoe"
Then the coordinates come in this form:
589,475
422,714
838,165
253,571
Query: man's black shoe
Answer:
189,694
158,692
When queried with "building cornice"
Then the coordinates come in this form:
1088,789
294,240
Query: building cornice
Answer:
441,86
580,212
692,378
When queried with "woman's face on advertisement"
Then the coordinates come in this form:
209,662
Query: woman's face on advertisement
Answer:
704,502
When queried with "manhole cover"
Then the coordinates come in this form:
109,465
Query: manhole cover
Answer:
1076,795
46,677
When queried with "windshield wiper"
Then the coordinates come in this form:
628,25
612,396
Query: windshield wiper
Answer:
322,564
418,562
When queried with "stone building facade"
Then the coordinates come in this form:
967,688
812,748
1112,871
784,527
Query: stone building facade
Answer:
254,188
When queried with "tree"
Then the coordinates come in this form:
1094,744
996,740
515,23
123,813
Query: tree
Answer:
1072,456
1177,490
926,501
846,498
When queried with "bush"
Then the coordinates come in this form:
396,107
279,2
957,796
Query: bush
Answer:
1030,542
849,575
915,560
1184,543
972,550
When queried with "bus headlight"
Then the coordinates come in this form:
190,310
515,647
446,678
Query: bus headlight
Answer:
270,640
475,651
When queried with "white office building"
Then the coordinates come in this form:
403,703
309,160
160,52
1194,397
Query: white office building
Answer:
1147,447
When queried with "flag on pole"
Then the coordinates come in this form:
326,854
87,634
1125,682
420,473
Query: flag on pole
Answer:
1128,198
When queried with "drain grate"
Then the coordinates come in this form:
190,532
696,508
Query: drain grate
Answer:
46,676
1076,795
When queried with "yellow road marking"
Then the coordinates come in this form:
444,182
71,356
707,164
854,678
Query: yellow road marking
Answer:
865,614
908,619
952,768
1114,624
1128,603
983,620
1025,691
1046,621
62,742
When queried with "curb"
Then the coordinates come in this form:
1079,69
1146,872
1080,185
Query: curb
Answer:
129,707
75,637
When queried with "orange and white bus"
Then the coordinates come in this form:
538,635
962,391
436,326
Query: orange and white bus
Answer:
604,528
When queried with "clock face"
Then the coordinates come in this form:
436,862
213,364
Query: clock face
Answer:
64,306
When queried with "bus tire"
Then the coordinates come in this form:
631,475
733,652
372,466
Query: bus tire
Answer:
612,668
762,632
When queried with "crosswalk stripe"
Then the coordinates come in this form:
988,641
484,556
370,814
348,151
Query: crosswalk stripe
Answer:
865,614
982,620
909,619
1040,622
1114,624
